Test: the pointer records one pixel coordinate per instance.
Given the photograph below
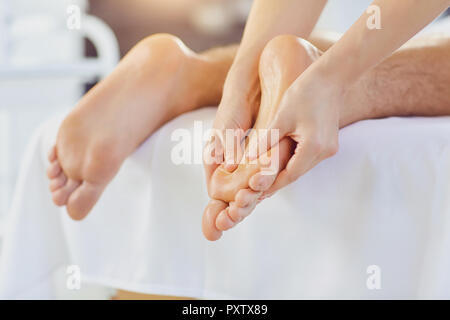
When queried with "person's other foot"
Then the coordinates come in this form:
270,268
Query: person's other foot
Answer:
235,194
157,80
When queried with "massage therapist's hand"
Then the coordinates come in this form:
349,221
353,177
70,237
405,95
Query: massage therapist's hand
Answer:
235,115
309,113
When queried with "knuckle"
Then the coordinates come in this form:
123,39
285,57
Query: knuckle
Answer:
234,214
315,144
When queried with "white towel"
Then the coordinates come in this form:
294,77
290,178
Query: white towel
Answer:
382,200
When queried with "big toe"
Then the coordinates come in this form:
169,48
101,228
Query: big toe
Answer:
83,199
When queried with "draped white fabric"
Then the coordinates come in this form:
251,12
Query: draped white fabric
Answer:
383,200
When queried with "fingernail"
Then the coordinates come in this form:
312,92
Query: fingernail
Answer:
264,181
230,167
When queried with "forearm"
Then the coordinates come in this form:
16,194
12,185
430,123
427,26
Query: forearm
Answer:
361,47
270,18
414,81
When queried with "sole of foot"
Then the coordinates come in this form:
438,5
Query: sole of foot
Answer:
235,194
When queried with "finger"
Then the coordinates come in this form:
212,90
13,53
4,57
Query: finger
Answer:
305,157
233,148
215,148
265,195
261,140
279,155
213,153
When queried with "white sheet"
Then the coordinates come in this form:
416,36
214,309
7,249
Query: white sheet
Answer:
382,200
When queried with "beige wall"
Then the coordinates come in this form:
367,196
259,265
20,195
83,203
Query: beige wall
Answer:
133,20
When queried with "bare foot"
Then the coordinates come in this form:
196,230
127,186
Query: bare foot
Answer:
282,61
159,79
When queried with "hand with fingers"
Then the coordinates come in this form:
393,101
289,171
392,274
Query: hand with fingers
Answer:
309,115
309,111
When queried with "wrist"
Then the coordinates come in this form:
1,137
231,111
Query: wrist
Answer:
345,98
242,83
333,74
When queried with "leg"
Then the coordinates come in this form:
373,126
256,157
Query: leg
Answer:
158,80
413,81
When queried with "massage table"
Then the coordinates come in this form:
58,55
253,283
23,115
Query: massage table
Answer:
381,204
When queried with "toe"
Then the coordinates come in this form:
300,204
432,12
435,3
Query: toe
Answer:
83,199
210,214
53,170
61,195
52,154
240,212
224,221
58,182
